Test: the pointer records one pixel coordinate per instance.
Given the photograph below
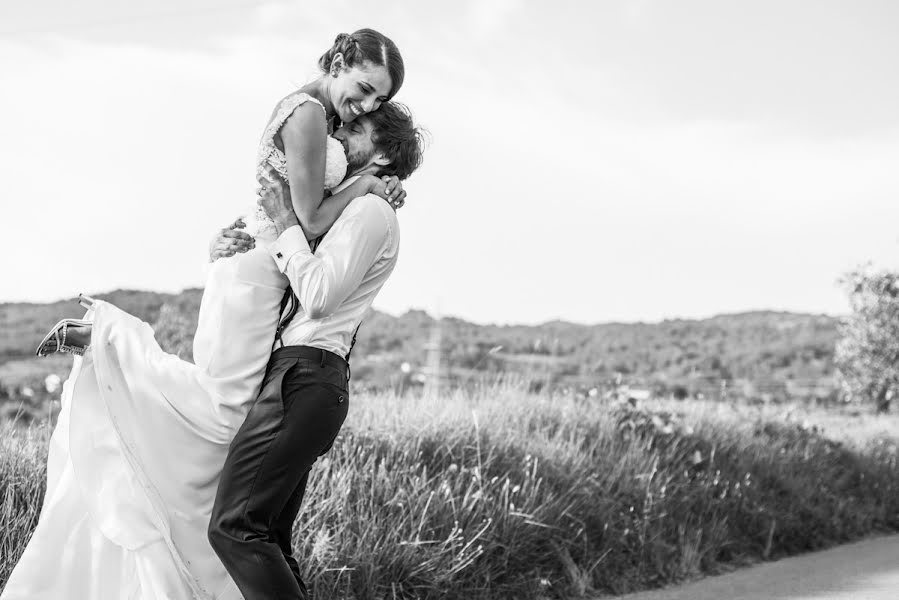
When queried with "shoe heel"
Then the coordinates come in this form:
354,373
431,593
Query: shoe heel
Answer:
85,301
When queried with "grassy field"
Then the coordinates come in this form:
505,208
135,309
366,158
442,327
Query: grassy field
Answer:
502,494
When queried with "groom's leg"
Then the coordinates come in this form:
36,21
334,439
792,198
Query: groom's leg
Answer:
294,420
283,529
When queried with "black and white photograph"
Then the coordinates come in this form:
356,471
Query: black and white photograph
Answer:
470,300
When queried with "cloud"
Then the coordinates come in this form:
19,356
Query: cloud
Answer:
486,17
635,10
567,170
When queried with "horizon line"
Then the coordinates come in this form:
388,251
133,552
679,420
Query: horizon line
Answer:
483,323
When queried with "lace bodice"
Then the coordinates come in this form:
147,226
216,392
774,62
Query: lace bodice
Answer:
258,223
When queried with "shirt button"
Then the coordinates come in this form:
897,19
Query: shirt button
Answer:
279,255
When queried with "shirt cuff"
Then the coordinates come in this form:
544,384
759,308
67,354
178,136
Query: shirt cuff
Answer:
291,242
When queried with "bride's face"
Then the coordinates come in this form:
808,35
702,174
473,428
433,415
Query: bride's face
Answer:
359,89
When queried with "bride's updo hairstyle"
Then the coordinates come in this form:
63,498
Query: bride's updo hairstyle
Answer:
367,45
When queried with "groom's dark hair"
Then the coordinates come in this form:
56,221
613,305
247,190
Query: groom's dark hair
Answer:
396,137
367,45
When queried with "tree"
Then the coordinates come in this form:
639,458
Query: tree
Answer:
867,355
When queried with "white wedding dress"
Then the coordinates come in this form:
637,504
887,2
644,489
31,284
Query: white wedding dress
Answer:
136,455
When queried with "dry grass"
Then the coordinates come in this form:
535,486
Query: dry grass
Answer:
23,478
502,494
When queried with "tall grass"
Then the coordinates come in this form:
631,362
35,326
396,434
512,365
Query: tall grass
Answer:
503,494
23,478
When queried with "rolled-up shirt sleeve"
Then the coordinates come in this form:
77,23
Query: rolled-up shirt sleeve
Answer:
322,281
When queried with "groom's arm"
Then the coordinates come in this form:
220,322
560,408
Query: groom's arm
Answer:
322,281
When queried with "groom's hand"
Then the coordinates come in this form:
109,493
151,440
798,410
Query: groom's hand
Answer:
231,240
274,197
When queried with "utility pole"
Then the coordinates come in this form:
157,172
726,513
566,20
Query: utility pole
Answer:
432,365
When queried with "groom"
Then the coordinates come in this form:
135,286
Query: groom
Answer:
304,397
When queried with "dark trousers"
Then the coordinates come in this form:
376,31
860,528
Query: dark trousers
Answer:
300,409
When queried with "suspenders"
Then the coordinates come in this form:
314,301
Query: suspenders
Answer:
292,304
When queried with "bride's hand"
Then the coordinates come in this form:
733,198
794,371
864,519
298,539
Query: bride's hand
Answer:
231,240
274,198
390,188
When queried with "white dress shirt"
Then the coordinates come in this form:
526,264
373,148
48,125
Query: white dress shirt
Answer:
337,284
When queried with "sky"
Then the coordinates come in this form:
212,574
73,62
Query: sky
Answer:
622,160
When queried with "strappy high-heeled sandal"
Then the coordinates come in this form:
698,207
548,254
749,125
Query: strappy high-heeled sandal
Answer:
57,337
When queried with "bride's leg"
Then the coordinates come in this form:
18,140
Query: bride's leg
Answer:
80,335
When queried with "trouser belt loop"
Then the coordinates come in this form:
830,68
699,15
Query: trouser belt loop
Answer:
322,359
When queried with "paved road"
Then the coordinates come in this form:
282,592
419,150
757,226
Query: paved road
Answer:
867,570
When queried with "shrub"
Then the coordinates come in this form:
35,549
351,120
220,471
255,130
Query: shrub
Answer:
868,352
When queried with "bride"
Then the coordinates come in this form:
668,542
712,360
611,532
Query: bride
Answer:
136,454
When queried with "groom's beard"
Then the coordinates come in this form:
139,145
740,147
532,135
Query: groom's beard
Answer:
357,162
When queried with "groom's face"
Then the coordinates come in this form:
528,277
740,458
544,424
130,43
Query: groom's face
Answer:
356,139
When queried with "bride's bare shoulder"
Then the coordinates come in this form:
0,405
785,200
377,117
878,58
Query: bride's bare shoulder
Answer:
291,98
297,114
304,120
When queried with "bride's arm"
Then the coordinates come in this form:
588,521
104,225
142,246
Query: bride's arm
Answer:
304,138
330,208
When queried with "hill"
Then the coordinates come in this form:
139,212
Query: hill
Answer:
756,353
